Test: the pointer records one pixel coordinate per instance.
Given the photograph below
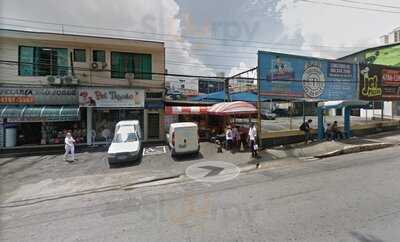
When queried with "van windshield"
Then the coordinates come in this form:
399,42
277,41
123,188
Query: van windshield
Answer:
125,137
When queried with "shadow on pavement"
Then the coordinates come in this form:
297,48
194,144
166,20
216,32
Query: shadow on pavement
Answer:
188,157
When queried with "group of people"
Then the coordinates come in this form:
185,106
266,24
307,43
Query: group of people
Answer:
332,132
234,138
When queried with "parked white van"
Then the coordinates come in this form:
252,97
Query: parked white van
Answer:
183,138
127,142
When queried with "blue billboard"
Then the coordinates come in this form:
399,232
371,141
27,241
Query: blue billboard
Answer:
297,77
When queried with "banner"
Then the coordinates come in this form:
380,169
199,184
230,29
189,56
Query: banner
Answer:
379,82
39,95
290,77
111,97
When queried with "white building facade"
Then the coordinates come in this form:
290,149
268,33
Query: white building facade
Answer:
54,83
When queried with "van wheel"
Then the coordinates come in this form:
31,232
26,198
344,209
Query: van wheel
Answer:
111,165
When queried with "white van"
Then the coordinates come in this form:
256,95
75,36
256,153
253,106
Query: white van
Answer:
183,138
127,142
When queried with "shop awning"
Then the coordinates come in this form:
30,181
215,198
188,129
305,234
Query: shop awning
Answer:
176,110
232,108
39,113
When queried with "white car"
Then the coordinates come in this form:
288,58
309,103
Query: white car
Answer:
183,138
127,144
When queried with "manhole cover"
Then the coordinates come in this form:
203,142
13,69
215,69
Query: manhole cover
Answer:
212,171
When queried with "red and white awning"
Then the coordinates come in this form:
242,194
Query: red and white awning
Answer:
230,108
176,110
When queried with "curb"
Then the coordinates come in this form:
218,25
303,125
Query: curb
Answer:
354,149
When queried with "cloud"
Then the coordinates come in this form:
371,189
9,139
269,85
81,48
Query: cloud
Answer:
335,26
140,16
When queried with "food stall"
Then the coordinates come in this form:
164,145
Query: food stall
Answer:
213,120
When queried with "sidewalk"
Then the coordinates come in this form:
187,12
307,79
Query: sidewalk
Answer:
331,148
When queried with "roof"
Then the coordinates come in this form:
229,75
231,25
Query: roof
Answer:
236,96
183,124
341,104
369,49
232,108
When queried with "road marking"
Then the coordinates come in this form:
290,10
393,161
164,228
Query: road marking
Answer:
212,171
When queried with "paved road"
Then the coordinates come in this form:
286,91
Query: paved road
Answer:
347,198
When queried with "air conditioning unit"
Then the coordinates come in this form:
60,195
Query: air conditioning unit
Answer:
129,76
70,80
98,66
54,80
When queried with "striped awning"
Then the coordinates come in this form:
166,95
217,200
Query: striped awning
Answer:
232,108
39,113
176,110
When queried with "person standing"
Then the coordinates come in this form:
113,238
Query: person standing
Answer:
229,138
236,136
69,147
307,130
252,139
337,134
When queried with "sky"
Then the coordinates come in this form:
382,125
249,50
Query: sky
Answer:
208,37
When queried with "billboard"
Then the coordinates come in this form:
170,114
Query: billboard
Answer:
290,77
379,82
385,56
181,89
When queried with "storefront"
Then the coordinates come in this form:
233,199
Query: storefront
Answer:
105,107
39,116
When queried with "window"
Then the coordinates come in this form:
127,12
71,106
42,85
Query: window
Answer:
99,56
79,55
139,64
42,61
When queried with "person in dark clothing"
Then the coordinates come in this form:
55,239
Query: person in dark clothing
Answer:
337,134
305,127
328,132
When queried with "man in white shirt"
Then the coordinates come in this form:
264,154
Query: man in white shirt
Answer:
229,138
69,147
252,138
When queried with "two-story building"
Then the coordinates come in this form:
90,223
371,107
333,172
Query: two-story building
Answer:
53,83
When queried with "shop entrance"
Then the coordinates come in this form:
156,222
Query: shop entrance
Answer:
153,125
105,119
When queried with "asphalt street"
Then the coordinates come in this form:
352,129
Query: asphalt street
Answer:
347,198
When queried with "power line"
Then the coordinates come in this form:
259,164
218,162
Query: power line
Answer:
7,62
370,4
350,6
179,37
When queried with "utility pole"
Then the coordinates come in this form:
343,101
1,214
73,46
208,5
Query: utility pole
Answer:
226,82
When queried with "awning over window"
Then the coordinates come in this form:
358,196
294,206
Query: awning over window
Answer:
39,113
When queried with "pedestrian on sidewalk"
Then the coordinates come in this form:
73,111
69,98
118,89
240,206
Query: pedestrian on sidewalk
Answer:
69,147
236,136
328,132
337,134
229,138
252,139
305,127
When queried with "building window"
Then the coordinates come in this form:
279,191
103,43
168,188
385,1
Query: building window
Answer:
154,95
42,61
99,56
79,55
139,64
